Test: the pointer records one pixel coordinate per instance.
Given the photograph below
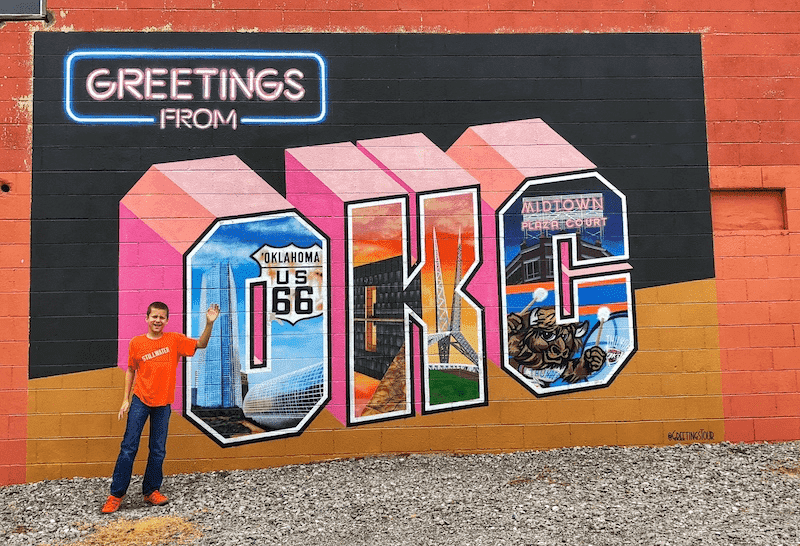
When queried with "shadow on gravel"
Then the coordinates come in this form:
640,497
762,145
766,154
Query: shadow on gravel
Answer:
143,532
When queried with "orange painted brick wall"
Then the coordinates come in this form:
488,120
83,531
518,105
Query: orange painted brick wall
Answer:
758,275
751,70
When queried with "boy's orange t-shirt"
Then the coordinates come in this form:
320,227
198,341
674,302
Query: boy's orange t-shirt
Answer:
155,362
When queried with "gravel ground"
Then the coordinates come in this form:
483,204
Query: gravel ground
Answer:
693,494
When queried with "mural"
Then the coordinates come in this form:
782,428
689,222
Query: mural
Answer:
381,220
454,372
388,303
566,289
265,371
380,373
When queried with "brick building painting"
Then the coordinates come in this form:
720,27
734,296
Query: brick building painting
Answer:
430,229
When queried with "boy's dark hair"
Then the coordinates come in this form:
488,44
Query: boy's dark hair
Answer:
158,305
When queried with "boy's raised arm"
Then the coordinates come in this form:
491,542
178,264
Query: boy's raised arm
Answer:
211,315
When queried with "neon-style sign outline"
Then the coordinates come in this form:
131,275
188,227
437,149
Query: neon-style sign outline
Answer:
72,58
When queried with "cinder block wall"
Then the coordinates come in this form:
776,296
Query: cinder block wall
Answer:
756,245
735,377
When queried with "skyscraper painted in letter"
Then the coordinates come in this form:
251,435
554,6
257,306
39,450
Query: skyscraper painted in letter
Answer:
219,365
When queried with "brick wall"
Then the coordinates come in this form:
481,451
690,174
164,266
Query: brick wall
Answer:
757,267
750,66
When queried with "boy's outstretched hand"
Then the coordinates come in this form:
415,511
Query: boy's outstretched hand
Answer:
211,315
213,312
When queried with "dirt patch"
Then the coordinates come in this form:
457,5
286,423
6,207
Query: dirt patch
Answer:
144,532
520,480
787,469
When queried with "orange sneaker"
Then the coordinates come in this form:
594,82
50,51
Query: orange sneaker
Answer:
112,504
156,498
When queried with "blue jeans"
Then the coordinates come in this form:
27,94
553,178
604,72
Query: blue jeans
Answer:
153,474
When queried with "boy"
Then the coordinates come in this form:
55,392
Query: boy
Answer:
152,362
